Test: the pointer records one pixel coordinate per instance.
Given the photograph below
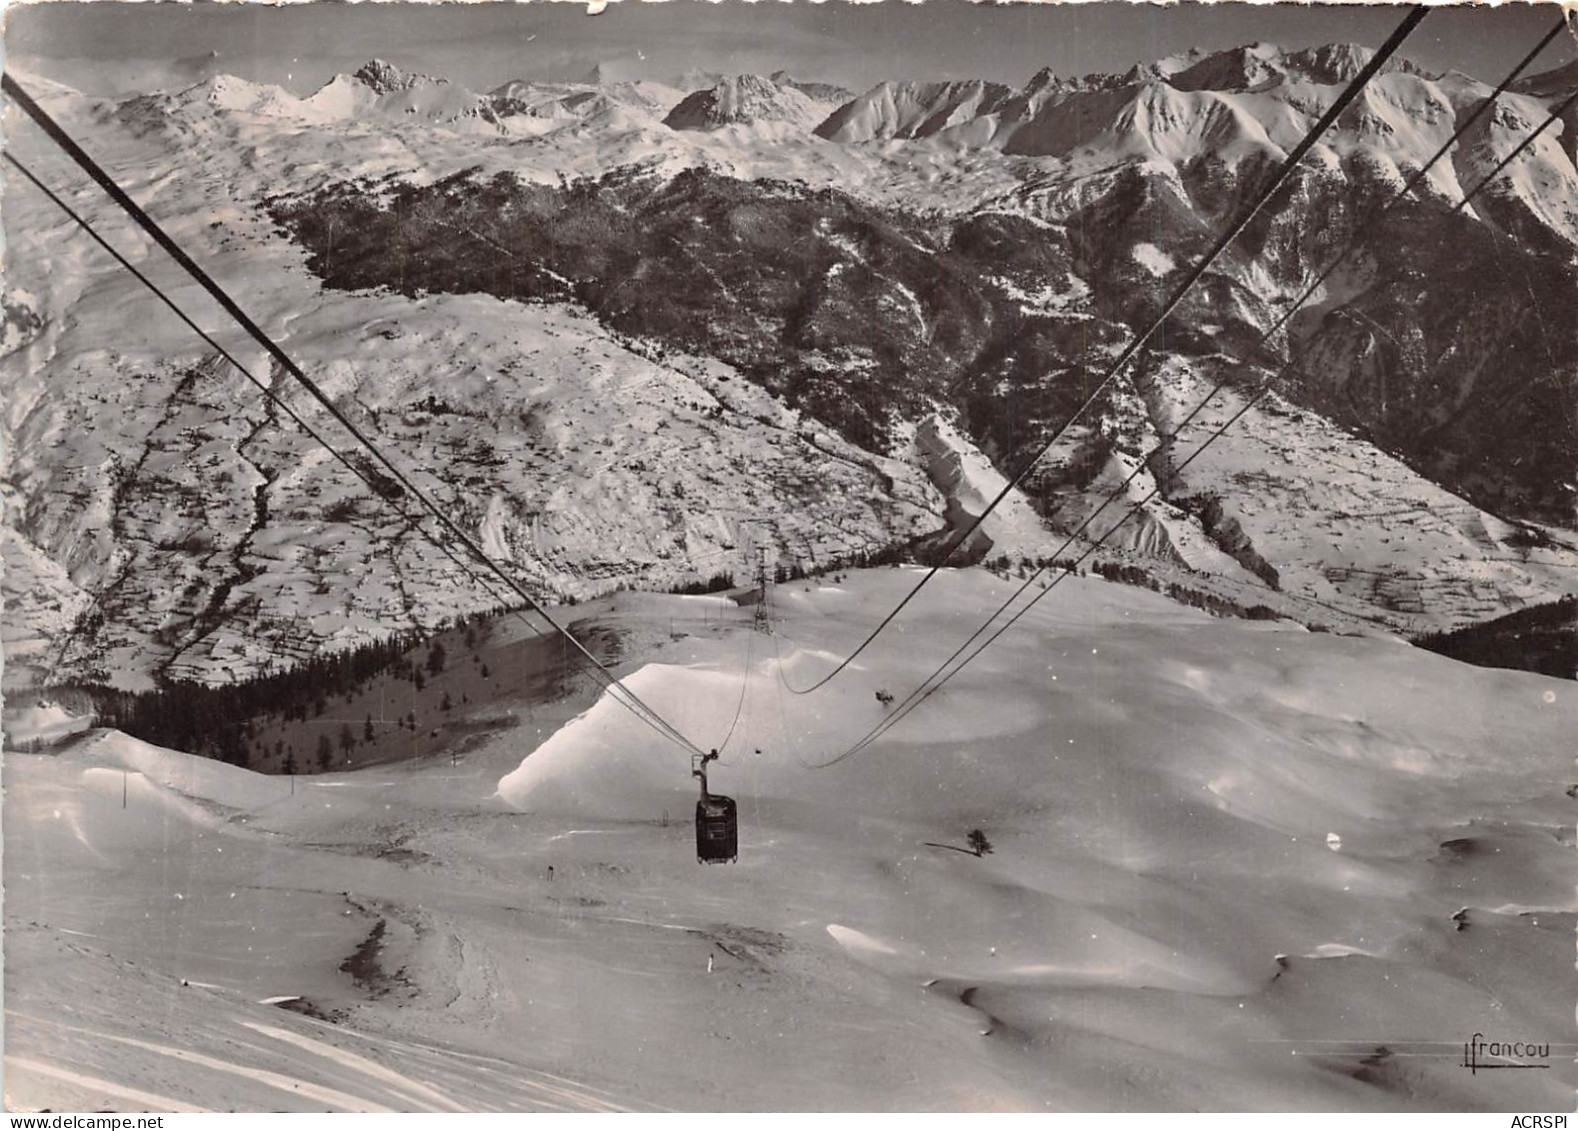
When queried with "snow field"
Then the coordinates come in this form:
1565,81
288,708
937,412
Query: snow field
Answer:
1158,787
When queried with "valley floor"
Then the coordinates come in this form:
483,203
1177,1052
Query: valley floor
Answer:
1236,865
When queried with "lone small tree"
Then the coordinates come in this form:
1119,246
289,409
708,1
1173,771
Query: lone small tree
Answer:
347,738
435,659
325,752
367,728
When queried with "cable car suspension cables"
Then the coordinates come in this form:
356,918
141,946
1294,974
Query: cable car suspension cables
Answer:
1289,163
383,496
745,683
58,135
933,683
377,484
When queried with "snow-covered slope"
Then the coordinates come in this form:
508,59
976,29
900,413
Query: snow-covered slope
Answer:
912,110
1234,866
970,483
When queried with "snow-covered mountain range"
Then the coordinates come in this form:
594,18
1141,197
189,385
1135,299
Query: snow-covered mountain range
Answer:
630,331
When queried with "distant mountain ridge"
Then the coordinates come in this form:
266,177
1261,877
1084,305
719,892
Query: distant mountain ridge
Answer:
805,298
1048,116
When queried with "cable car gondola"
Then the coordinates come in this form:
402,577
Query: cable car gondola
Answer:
717,823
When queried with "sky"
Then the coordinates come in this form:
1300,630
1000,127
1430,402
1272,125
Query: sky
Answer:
108,47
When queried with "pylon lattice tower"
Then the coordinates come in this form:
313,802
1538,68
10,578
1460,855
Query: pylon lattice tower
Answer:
761,622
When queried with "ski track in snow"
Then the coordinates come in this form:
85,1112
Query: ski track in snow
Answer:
94,1086
289,1085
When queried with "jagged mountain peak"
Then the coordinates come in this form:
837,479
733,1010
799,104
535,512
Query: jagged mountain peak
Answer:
385,78
748,84
1044,79
1256,65
1341,62
744,100
1245,67
381,89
